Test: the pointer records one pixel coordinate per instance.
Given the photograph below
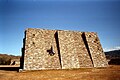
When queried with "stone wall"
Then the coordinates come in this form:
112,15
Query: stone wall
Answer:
15,62
38,44
73,51
96,51
57,49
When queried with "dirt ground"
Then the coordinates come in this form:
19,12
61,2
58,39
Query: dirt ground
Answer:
110,73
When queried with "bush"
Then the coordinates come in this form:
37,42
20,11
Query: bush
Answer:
5,60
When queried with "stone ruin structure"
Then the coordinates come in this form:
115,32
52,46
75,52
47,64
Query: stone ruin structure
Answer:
15,62
61,49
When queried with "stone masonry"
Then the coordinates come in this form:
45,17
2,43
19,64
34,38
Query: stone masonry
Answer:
59,49
96,50
73,51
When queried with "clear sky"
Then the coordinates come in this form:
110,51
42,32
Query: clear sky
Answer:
101,16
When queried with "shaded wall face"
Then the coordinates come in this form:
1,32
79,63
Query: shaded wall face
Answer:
52,49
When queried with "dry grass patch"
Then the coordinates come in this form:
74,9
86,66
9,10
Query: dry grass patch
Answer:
110,73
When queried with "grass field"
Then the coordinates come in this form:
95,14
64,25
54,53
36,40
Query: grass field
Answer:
110,73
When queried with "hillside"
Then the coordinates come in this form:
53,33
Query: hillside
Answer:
5,59
11,56
113,54
113,57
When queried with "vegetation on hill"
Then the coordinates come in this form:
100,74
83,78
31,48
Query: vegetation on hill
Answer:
5,59
113,54
113,57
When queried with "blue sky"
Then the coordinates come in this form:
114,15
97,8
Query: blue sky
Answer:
101,16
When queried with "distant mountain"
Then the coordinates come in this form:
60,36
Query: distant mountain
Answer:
10,56
113,57
113,54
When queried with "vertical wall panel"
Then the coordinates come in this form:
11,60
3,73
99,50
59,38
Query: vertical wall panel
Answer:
96,51
73,51
37,46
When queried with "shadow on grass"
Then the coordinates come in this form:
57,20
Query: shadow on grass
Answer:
8,68
114,62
